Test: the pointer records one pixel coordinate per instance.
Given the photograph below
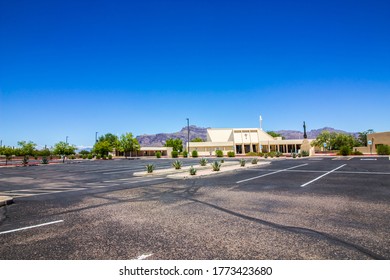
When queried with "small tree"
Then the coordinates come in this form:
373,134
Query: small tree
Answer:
127,143
7,152
102,147
27,148
176,144
64,149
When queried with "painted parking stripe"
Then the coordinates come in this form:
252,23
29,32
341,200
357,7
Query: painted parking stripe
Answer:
323,175
278,171
30,227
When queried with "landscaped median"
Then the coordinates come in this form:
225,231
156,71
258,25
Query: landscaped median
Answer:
201,171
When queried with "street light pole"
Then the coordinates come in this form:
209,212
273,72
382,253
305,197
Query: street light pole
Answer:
96,133
66,139
188,137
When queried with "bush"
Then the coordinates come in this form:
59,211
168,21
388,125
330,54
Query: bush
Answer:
216,165
150,168
195,153
357,153
109,156
45,160
242,162
294,155
265,155
185,154
383,150
218,153
175,154
192,171
278,154
158,155
345,151
203,162
231,154
255,161
25,160
98,157
305,153
90,156
177,164
251,154
272,154
84,156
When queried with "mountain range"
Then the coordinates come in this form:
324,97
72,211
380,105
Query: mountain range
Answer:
158,140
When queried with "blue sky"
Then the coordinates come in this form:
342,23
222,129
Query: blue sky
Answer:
73,68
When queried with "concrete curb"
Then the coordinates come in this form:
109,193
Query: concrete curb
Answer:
6,200
202,171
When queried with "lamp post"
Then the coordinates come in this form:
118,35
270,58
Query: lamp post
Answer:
66,139
188,137
96,133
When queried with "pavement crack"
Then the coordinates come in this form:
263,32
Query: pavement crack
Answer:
298,230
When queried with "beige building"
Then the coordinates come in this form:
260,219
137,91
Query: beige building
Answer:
374,140
242,141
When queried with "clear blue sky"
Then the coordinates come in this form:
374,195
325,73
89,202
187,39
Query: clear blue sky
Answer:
73,68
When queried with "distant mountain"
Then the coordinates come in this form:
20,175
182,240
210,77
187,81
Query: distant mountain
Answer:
158,140
312,134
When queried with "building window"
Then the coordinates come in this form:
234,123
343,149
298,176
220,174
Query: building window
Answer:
238,149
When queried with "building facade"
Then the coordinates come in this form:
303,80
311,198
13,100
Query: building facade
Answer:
374,140
242,141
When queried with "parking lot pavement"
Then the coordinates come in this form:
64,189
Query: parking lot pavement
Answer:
290,209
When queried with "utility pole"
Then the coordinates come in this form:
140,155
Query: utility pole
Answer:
188,136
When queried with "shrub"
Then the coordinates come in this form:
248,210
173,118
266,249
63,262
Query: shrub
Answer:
294,155
218,153
222,161
177,164
278,154
175,154
299,155
242,162
272,154
255,161
90,156
195,153
216,165
203,162
185,154
150,168
25,160
98,157
158,155
84,156
72,157
251,154
231,154
345,151
383,150
261,154
109,156
305,153
45,160
265,155
357,153
192,171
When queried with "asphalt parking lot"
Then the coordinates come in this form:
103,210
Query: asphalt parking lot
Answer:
315,208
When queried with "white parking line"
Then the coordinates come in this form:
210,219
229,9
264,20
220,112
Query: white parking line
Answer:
24,228
278,171
323,175
142,257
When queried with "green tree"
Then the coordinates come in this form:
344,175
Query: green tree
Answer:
274,134
110,138
102,147
27,148
176,144
128,144
197,139
362,137
7,152
324,137
64,149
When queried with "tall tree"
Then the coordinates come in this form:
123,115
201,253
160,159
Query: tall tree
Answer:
27,148
176,144
128,144
64,149
110,138
102,147
362,137
197,139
